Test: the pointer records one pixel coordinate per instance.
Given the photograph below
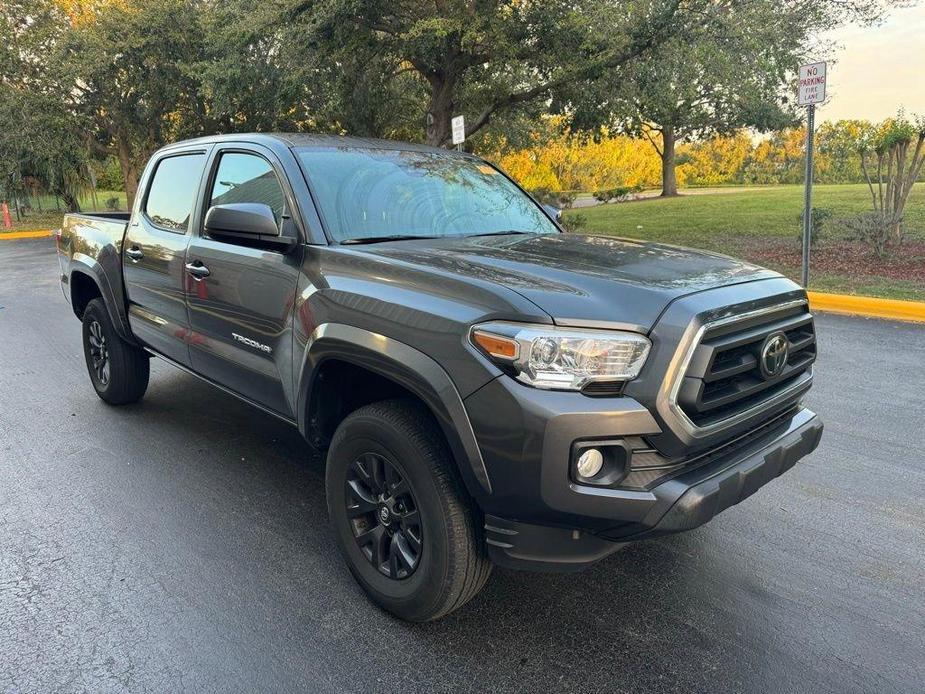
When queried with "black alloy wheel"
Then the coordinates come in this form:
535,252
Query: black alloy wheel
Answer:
384,516
118,370
410,534
99,353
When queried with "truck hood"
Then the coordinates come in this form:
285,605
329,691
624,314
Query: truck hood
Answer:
579,280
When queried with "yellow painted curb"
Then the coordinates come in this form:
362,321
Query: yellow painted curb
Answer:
6,236
868,306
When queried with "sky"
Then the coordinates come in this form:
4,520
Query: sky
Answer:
878,68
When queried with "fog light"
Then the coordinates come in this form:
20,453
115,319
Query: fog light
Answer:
590,463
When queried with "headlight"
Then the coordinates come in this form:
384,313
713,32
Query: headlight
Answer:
562,358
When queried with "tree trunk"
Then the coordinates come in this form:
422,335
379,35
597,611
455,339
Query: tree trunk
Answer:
71,203
440,111
96,203
669,178
129,172
915,168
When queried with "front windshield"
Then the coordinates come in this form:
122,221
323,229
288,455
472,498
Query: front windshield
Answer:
375,193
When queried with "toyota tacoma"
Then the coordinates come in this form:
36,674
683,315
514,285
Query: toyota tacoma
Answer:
485,387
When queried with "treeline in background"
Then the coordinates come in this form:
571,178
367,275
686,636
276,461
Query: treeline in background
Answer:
84,83
558,160
603,97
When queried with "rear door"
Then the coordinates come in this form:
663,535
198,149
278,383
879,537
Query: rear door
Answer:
241,295
154,252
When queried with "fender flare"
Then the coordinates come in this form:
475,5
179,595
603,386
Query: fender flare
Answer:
113,298
409,368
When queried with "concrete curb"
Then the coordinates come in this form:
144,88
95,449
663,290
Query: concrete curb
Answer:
869,306
10,235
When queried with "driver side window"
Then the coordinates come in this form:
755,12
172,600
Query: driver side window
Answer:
247,178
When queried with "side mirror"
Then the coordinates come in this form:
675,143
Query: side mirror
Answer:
553,212
251,222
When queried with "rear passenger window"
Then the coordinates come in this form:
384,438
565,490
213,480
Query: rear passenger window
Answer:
173,189
247,178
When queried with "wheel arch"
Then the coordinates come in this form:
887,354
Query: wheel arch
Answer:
84,289
88,281
341,355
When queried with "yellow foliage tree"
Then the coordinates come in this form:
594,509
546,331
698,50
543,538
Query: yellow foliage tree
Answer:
559,160
715,161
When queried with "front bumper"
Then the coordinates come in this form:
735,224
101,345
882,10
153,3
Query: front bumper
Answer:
545,521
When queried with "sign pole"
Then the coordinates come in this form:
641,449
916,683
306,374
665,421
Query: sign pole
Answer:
808,193
810,91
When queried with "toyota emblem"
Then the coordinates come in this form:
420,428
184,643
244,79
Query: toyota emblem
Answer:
774,353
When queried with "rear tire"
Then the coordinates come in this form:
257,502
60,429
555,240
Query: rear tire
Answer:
401,516
119,371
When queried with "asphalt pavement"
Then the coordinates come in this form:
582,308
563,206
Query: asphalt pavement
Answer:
182,544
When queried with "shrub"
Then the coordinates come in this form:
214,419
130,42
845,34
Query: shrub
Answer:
871,228
821,216
574,222
620,193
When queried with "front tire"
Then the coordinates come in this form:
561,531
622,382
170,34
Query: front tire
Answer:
400,514
119,371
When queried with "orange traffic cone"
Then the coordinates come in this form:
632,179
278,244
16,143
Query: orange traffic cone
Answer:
7,220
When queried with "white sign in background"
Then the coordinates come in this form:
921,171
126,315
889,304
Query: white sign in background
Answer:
812,84
459,130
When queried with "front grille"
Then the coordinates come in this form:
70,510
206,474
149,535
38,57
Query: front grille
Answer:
725,377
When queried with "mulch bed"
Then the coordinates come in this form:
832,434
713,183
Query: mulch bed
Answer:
905,262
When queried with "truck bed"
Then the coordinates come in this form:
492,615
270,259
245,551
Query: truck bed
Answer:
91,244
106,227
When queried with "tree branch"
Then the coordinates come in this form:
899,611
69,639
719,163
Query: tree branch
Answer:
870,184
637,47
646,130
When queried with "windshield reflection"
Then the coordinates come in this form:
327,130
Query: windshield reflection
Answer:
376,193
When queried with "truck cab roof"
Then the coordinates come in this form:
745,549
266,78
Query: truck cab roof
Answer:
292,140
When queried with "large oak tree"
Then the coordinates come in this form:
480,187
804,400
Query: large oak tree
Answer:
482,58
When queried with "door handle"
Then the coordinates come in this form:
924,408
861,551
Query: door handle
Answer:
135,253
197,270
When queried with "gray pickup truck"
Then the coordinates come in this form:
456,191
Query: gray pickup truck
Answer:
486,388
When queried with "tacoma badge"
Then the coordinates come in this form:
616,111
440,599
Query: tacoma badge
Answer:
252,343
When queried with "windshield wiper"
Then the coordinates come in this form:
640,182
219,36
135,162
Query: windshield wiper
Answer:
376,239
507,232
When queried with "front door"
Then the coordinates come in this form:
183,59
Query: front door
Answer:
154,252
241,295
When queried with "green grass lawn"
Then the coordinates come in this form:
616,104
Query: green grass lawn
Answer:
761,212
759,223
49,217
